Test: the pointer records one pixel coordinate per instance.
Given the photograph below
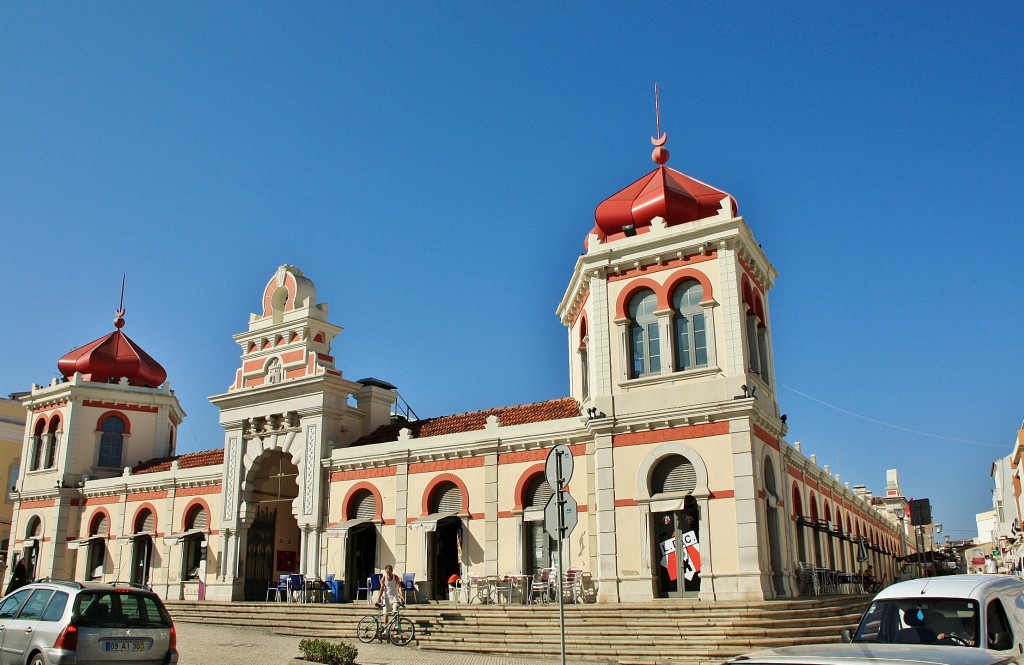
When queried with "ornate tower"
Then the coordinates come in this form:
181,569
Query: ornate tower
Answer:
113,409
287,408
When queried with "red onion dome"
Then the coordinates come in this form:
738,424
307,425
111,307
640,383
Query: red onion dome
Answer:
112,357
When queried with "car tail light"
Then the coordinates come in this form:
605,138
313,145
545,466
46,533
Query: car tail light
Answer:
173,639
68,638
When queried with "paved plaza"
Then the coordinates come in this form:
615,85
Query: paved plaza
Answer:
199,644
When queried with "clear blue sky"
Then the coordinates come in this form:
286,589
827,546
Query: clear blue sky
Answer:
434,168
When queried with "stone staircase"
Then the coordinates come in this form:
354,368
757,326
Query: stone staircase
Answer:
662,632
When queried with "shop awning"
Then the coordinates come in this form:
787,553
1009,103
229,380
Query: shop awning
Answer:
124,540
429,522
176,538
667,504
83,542
341,529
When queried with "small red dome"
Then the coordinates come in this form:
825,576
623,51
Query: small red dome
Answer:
663,192
109,358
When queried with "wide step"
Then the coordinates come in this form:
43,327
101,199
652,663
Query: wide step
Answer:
626,633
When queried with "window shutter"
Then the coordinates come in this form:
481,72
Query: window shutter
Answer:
364,506
449,499
101,527
199,519
147,523
674,474
539,494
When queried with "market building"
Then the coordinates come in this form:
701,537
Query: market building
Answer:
684,482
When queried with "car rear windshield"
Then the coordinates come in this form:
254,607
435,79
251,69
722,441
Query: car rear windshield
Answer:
120,609
952,621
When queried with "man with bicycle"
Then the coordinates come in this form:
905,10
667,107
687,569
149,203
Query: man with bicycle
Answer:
391,587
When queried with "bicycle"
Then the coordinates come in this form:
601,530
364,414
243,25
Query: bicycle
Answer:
398,629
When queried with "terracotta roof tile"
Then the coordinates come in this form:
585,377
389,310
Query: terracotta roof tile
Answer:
556,409
189,461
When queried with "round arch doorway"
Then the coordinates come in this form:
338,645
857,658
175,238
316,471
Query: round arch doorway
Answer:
272,533
676,532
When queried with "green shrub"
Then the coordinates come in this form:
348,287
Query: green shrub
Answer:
322,651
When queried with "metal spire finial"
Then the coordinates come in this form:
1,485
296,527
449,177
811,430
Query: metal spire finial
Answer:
660,154
119,321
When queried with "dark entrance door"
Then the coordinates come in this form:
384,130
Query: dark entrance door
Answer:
360,557
677,552
444,551
142,556
259,554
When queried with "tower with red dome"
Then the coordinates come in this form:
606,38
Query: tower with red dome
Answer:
112,408
670,346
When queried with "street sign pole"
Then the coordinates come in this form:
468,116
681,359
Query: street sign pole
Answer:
558,469
561,535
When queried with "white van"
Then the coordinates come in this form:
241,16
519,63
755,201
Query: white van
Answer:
985,611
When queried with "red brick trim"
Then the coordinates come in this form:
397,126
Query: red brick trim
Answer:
668,265
446,465
116,406
100,500
722,494
50,407
671,434
38,503
766,437
198,491
577,450
147,496
363,474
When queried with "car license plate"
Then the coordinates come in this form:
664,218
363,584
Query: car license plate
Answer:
124,645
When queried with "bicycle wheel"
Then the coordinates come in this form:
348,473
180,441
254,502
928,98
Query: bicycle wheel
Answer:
367,629
402,631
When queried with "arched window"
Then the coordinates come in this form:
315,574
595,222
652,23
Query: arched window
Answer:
51,442
756,330
35,451
197,519
537,492
673,474
364,505
446,498
645,343
540,550
111,443
690,332
584,360
145,522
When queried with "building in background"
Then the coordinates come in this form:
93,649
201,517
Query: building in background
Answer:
684,482
12,429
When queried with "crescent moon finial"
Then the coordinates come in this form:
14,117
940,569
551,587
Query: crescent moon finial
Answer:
660,154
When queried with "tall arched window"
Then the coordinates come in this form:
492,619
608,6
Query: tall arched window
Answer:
645,343
540,549
584,360
690,333
51,442
111,443
35,451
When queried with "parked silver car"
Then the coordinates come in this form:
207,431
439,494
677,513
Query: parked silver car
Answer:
60,622
875,654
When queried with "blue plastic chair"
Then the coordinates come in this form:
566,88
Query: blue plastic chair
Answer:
371,588
409,585
278,588
297,584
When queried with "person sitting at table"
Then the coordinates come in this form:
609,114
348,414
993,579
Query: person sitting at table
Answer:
868,581
391,587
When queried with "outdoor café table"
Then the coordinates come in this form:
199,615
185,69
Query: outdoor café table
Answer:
519,585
